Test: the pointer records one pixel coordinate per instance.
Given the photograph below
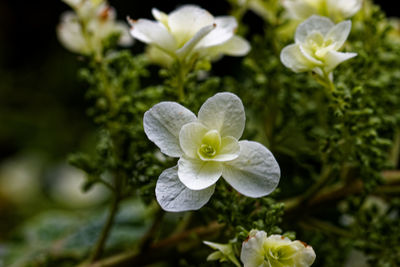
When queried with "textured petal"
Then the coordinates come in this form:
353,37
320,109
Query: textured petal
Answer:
339,33
162,124
174,196
236,46
293,58
198,174
190,138
230,149
224,112
224,30
186,21
312,24
255,173
252,254
333,58
154,33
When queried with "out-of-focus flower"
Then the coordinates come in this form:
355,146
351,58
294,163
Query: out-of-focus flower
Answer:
275,250
317,41
337,10
85,30
67,188
188,31
208,147
224,253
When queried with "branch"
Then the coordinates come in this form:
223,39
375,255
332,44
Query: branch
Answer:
156,251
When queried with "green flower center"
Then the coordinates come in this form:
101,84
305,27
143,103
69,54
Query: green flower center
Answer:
210,145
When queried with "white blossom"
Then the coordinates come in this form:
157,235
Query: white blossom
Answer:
189,30
317,41
208,147
85,29
275,251
337,10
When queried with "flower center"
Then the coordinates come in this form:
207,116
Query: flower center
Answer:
210,145
207,151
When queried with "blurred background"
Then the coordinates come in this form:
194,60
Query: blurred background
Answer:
42,107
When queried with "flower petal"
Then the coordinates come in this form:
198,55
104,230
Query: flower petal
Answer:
162,124
293,58
312,24
69,32
333,58
230,149
224,112
255,173
252,253
236,46
224,30
189,46
186,21
197,174
174,196
190,138
160,16
339,33
154,33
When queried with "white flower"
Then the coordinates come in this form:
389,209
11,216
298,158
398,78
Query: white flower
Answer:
190,30
317,41
207,147
92,22
275,251
337,10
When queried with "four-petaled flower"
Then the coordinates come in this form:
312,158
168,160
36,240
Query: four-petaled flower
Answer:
208,148
189,30
317,41
337,10
92,22
275,250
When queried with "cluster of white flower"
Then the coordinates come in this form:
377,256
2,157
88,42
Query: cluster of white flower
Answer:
84,30
208,148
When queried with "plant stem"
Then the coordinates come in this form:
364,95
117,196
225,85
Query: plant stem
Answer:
156,251
98,249
181,83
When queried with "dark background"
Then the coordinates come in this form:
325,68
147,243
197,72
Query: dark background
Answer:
42,106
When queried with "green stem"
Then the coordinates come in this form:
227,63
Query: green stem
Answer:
98,249
181,83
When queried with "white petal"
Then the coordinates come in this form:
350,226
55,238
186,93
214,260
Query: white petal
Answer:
255,173
339,33
160,16
224,30
333,58
293,58
236,46
198,174
154,33
252,254
190,138
230,149
174,196
224,112
312,24
343,8
299,10
188,47
125,38
162,124
70,34
186,21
